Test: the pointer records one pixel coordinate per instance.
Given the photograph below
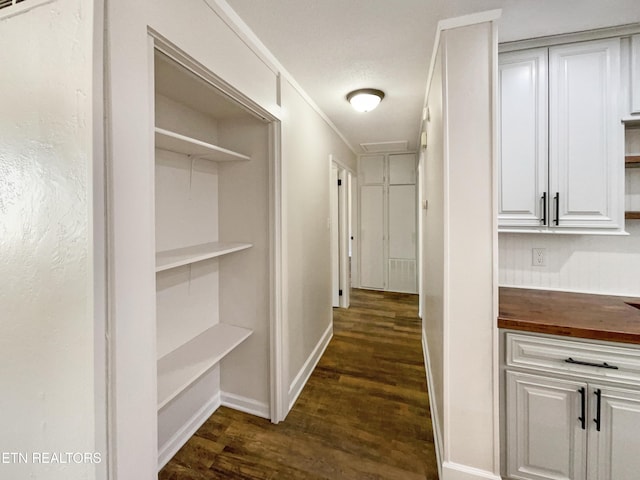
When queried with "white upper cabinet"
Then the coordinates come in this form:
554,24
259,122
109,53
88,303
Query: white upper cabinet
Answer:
585,148
371,170
635,74
560,161
523,129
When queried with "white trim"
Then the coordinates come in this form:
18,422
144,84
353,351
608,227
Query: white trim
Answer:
279,345
457,471
23,7
342,165
244,404
295,389
229,16
447,24
583,36
98,242
470,19
433,406
178,439
495,140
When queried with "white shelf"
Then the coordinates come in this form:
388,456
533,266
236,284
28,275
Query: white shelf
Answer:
180,368
196,253
174,142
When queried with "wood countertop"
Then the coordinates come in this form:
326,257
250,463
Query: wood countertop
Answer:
596,317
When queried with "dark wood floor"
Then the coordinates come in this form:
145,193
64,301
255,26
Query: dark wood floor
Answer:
364,414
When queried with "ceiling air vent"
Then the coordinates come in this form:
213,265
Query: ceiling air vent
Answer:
385,147
9,3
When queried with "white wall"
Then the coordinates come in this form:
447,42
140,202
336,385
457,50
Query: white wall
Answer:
580,263
433,248
46,254
307,142
459,290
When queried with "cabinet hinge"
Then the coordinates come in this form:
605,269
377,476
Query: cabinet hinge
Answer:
340,292
339,182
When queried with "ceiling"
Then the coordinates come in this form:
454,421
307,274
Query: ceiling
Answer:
332,47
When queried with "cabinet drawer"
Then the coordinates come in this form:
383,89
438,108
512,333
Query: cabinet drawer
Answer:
573,357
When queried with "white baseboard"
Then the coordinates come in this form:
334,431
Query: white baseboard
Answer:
175,443
295,389
456,471
447,470
246,405
433,406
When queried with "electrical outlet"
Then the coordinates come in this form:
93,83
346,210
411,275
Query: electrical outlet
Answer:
539,257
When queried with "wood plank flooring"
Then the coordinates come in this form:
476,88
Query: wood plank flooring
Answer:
364,414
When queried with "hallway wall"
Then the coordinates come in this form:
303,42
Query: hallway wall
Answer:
46,254
307,142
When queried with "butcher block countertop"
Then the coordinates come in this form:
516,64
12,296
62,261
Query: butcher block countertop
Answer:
596,317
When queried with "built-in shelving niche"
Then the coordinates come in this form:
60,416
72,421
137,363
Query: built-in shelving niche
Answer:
632,172
212,251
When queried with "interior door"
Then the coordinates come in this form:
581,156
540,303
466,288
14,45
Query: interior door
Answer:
335,237
372,221
372,236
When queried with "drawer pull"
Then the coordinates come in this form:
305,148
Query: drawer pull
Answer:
590,364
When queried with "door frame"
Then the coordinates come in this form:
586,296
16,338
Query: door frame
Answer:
344,174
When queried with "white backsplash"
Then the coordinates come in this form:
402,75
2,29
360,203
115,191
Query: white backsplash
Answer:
580,263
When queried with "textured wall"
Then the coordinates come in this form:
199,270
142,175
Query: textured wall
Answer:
46,284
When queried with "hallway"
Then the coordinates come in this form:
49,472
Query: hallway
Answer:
362,415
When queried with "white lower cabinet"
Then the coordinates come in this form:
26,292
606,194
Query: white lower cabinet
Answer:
545,436
614,451
571,428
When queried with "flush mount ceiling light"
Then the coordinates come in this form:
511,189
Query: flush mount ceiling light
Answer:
365,99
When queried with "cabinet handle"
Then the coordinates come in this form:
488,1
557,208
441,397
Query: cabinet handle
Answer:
556,200
598,394
544,209
583,405
590,364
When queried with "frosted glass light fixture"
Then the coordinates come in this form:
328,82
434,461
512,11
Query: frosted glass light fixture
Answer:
365,99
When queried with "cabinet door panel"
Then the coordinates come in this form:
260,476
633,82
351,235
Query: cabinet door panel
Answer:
614,451
372,236
585,134
371,170
523,132
402,169
545,439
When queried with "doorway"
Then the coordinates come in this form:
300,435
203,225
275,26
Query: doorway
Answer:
341,221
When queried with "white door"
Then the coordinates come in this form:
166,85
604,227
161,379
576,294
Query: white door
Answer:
545,435
335,237
585,135
523,157
402,238
372,236
371,174
402,268
614,448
